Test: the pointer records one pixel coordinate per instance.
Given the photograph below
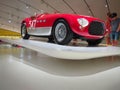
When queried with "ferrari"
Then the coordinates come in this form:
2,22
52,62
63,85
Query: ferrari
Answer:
62,28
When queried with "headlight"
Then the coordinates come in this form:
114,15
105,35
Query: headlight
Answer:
83,22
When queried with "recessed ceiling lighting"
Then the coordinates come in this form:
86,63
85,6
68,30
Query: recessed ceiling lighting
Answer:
9,21
27,6
106,5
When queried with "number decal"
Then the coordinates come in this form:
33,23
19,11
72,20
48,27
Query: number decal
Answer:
32,24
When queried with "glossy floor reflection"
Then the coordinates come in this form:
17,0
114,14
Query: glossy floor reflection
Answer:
25,69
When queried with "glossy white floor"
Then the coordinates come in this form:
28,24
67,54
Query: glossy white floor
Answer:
25,69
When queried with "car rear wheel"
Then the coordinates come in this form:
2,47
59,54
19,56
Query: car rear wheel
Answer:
94,42
24,33
62,33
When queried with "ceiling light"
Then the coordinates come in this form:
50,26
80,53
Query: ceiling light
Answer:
27,6
9,21
106,5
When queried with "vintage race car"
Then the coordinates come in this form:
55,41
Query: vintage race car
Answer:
62,28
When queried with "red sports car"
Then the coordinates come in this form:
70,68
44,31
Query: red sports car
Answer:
62,28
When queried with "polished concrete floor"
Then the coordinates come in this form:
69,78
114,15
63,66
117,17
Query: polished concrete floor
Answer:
25,69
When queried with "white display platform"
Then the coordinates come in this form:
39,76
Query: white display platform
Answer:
66,52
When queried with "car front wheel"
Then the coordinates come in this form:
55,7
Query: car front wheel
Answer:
62,33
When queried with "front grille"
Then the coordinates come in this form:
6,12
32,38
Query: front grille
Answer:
96,28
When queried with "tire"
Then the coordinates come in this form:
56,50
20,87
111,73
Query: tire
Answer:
51,40
62,33
24,33
94,42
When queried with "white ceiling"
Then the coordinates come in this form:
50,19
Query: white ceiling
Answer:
16,10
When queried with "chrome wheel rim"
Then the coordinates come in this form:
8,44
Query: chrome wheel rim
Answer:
23,33
60,32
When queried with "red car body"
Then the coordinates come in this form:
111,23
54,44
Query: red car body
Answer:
56,26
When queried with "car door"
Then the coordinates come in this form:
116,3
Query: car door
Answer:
41,25
32,23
